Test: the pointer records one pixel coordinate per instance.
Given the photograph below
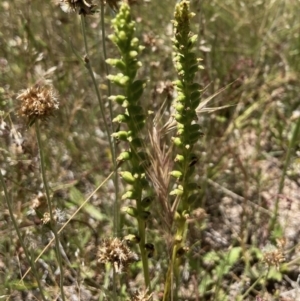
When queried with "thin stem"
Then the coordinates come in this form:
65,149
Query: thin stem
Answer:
89,67
142,234
254,283
52,221
116,209
111,144
105,56
169,279
100,102
291,146
10,210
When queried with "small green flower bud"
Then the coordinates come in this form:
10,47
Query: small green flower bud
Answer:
122,35
121,135
133,53
179,117
179,107
176,174
117,63
179,158
177,141
176,191
130,195
127,177
134,42
131,211
124,156
117,98
132,239
119,79
121,118
178,239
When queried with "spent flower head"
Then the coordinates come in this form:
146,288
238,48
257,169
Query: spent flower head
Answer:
38,102
116,251
141,296
84,7
273,256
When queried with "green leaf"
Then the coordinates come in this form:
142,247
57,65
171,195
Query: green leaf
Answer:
234,255
77,197
137,89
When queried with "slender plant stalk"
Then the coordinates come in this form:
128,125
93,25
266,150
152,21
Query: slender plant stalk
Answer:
103,33
52,221
28,257
116,209
112,145
102,110
254,283
292,143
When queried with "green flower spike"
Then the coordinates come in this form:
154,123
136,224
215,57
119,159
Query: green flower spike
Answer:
132,121
188,131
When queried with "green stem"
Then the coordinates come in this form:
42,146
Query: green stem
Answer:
253,285
52,221
291,146
168,292
90,70
116,210
11,214
142,234
105,56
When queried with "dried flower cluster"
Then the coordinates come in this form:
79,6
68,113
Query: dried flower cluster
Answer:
38,102
141,296
58,216
84,7
115,251
273,256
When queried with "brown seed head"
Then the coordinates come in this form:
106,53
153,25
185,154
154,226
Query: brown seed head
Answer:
141,296
38,102
84,7
115,251
273,256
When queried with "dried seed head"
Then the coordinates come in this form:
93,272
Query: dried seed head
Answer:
141,296
273,256
85,7
115,251
38,102
46,218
